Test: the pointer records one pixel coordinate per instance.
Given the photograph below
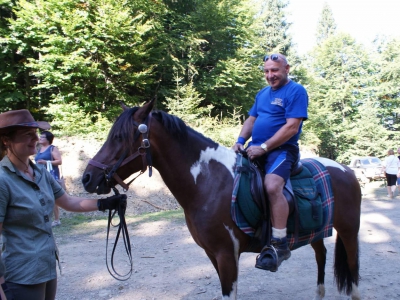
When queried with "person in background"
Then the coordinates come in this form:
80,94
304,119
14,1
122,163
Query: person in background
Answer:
398,173
28,194
48,152
274,124
391,165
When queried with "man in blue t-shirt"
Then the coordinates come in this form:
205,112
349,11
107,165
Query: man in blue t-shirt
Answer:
274,125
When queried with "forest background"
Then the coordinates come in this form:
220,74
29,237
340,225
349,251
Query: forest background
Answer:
71,62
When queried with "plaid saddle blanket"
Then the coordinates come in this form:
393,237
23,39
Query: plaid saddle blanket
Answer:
323,183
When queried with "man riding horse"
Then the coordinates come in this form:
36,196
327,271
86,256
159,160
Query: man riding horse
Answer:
274,124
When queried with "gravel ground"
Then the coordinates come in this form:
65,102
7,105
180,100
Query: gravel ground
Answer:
169,265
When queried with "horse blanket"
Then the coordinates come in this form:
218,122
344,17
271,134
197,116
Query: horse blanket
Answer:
323,183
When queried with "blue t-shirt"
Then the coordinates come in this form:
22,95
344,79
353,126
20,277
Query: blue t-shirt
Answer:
272,107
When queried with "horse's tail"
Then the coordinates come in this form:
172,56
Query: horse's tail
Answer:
345,277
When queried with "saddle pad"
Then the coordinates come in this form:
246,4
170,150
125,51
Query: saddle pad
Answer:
247,206
308,201
323,182
236,213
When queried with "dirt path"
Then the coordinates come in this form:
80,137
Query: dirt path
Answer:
169,265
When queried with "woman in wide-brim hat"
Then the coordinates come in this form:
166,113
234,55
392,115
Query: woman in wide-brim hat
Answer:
17,119
28,194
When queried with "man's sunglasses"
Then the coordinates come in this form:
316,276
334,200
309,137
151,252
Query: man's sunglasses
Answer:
273,57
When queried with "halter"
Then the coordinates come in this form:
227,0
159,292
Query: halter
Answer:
110,171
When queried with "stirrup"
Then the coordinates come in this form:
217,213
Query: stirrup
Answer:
273,260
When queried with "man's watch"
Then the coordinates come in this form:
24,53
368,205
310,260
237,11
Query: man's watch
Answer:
264,147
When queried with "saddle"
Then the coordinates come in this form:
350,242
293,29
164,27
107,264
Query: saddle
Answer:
304,200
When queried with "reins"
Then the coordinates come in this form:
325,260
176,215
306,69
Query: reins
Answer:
122,227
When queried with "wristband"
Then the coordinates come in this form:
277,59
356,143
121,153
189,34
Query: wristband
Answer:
241,140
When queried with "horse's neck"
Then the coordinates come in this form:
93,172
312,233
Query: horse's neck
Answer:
191,172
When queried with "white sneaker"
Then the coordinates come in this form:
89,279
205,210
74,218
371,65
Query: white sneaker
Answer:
56,223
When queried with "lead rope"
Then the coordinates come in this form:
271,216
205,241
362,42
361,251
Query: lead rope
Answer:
122,227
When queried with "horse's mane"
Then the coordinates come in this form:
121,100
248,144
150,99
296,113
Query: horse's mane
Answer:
124,127
172,124
177,127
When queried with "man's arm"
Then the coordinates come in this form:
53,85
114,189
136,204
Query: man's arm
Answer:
247,128
284,133
245,133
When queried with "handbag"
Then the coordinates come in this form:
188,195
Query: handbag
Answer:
50,169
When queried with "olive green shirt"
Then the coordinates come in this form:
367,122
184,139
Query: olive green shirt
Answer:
26,208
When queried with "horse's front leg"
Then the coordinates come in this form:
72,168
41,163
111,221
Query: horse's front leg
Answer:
226,266
225,259
320,257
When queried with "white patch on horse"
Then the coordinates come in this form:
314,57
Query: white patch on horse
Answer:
355,293
230,297
235,241
223,155
320,293
329,163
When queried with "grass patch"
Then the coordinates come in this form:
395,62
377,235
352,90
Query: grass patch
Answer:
78,223
169,215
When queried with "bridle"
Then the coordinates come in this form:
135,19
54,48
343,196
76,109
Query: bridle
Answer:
110,171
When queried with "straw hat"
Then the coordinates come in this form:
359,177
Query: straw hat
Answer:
22,118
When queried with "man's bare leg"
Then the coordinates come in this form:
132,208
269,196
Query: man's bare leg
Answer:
271,258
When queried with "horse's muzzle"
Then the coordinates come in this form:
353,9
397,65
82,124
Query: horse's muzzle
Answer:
92,187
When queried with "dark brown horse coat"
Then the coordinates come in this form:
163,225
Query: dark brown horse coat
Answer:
199,173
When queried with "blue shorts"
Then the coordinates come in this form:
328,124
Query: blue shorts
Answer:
280,161
398,180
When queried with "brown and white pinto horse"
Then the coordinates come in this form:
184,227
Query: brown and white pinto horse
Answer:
200,174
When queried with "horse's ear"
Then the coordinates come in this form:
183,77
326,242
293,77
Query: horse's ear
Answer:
145,110
152,103
124,107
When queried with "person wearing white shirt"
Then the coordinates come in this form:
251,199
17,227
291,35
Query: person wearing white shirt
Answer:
398,173
392,167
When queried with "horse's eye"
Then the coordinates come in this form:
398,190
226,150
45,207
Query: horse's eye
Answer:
118,137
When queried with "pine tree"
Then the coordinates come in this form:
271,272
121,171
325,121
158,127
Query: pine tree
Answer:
326,24
387,62
342,84
275,36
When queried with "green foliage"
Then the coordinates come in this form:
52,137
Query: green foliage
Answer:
342,77
326,24
185,103
366,136
388,90
218,56
274,35
12,84
97,53
221,129
89,53
71,120
71,63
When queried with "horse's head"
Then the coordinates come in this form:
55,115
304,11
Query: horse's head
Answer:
125,151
